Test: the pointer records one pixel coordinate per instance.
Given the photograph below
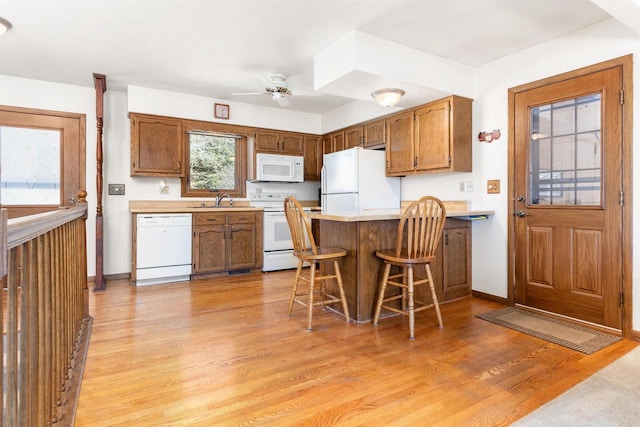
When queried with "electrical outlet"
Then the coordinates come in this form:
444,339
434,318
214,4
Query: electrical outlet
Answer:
469,186
493,186
164,189
116,189
461,186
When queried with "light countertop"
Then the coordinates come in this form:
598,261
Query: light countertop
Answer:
187,206
386,214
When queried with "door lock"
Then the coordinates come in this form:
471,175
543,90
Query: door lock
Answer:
521,198
521,213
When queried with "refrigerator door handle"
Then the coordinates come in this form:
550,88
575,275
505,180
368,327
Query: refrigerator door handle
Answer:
323,179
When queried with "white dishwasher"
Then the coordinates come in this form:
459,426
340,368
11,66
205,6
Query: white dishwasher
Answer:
163,248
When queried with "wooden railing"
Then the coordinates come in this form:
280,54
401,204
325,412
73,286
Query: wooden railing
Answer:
46,322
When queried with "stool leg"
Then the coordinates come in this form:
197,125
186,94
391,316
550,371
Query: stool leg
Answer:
383,286
433,294
312,282
412,320
404,290
295,286
336,267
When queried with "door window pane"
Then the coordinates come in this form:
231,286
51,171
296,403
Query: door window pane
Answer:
30,166
565,153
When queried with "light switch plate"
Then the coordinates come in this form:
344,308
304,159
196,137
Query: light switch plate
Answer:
493,186
116,189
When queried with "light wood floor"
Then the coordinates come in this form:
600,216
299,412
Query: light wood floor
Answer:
224,352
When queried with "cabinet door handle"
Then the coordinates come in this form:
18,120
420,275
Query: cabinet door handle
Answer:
446,240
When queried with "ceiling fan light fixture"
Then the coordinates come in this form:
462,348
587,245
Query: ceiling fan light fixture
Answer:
4,25
387,97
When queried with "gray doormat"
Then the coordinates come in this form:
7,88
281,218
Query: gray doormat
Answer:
557,331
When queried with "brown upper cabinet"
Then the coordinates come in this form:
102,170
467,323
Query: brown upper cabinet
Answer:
156,146
373,134
353,137
327,144
312,157
400,147
288,143
435,137
333,142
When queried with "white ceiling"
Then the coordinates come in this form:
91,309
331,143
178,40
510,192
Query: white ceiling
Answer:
215,48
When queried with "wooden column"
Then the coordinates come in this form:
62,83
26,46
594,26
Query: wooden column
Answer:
3,245
100,83
3,273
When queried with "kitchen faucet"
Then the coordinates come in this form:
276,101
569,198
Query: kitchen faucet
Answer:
220,197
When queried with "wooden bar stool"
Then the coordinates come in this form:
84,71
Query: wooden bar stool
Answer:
304,247
419,232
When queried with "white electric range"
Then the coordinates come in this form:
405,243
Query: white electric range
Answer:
277,243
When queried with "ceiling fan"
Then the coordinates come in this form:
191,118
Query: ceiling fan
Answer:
278,89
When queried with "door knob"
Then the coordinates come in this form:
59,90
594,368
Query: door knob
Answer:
520,213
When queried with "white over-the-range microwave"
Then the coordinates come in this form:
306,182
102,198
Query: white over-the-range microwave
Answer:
279,168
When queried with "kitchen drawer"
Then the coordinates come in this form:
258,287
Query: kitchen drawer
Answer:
242,218
209,219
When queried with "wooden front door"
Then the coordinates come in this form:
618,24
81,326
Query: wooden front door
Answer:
568,186
68,130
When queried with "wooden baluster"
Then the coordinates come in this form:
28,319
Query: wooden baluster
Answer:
13,280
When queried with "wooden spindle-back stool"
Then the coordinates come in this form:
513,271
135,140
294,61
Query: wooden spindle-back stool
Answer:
304,247
418,236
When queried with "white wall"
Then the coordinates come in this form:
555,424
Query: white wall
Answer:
116,146
160,102
117,219
598,43
28,93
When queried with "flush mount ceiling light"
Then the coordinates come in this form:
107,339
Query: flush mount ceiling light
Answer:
4,25
387,97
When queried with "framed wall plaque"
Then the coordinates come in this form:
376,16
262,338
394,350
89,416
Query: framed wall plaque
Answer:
221,111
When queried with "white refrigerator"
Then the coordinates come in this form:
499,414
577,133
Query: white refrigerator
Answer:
354,180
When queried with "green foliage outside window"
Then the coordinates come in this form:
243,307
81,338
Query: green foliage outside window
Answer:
213,162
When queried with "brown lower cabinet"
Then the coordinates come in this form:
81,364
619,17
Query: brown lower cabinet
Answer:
226,242
452,269
362,270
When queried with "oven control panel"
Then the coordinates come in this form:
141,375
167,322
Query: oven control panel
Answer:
269,200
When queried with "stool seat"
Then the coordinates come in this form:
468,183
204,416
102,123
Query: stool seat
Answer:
305,250
390,256
419,232
321,253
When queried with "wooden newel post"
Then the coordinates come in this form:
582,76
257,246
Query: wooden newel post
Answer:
3,245
100,83
3,273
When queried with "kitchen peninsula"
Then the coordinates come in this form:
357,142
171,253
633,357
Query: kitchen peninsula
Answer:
362,233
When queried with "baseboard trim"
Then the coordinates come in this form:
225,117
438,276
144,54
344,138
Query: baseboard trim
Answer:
91,280
489,297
